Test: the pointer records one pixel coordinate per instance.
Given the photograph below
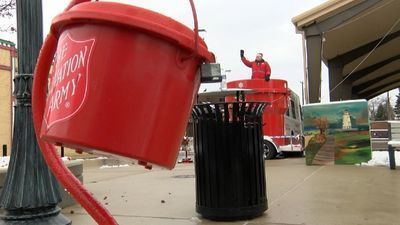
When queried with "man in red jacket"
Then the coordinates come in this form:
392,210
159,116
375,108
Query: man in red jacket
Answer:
260,68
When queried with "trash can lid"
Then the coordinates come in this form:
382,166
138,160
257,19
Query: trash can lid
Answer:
133,17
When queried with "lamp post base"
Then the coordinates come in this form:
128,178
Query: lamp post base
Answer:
41,216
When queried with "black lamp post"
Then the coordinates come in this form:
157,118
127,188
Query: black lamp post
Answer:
30,194
302,92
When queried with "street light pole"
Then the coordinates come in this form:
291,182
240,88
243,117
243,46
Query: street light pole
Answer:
30,194
223,81
302,92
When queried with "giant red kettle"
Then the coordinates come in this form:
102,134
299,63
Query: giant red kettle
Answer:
123,82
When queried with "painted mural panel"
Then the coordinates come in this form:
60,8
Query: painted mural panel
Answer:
337,133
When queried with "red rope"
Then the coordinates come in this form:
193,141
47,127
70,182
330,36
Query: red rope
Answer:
196,27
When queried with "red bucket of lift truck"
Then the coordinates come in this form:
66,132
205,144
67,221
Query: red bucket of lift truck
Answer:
123,82
276,92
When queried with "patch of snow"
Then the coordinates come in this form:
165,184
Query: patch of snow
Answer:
381,158
92,159
4,161
195,219
98,158
113,166
66,158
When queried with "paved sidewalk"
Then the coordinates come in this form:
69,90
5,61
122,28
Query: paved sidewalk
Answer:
297,194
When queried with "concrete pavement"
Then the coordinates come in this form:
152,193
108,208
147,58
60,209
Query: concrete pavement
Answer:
297,194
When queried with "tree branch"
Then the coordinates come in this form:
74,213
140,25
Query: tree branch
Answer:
7,8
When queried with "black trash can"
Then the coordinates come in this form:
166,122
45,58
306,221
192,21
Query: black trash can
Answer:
229,160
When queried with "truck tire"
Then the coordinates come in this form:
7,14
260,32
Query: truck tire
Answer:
269,150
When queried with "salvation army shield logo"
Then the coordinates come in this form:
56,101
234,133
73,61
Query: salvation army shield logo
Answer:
69,80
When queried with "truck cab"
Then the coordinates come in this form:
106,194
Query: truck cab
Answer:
292,139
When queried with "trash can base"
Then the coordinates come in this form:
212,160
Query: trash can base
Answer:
231,214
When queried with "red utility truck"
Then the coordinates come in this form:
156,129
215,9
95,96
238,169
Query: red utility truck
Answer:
282,117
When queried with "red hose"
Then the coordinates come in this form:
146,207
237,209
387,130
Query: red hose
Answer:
196,27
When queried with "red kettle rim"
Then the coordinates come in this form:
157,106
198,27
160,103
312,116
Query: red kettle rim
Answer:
132,17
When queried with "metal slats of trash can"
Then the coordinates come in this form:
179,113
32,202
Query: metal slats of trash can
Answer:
229,161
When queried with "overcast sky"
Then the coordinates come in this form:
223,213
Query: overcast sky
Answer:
253,25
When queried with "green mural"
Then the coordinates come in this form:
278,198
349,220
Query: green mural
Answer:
337,133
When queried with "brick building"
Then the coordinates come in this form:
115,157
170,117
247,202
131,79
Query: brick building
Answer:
8,66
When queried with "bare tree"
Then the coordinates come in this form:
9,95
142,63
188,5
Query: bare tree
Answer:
7,8
372,107
397,106
380,108
7,11
322,125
